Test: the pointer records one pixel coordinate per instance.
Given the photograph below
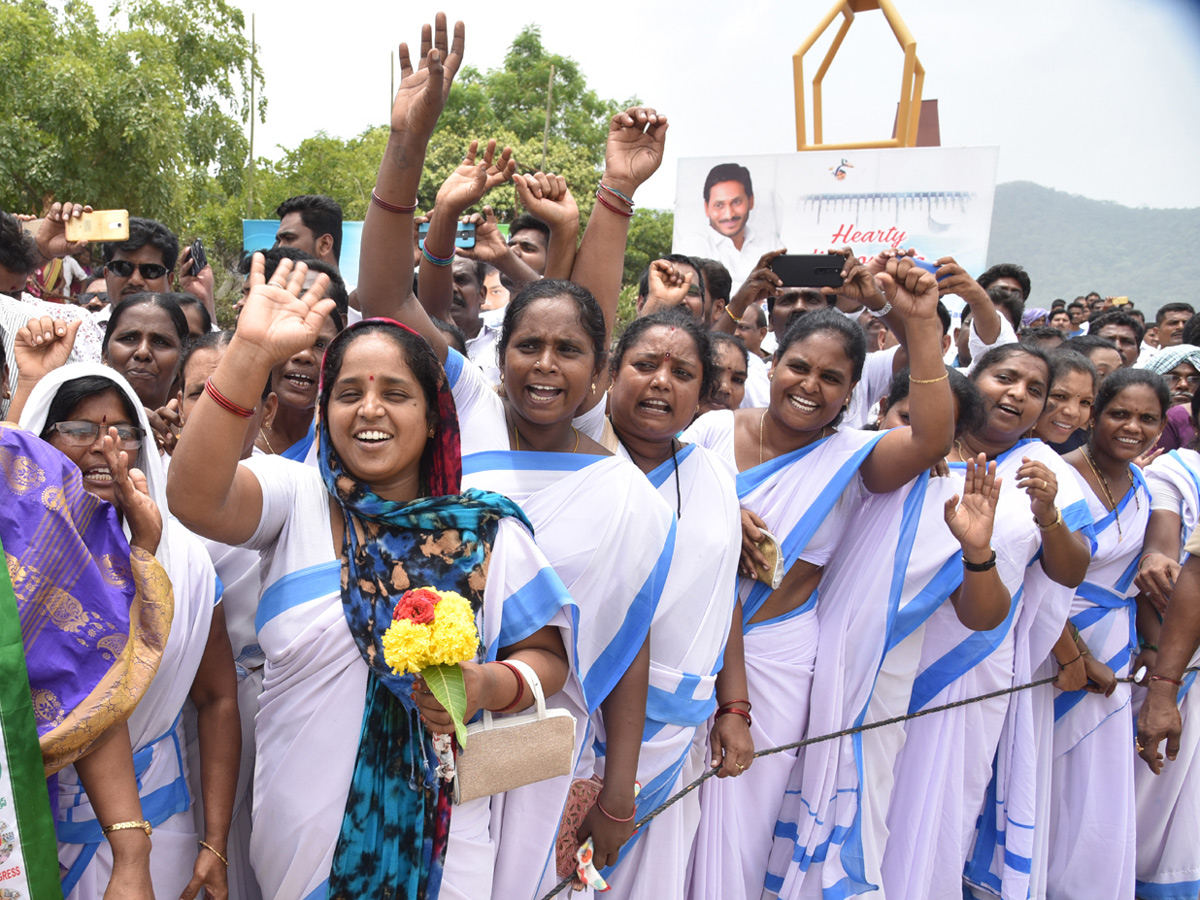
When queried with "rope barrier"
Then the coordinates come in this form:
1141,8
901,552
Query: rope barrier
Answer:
883,723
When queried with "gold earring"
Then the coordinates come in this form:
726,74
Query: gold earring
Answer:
593,387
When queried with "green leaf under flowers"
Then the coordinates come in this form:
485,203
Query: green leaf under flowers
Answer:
447,686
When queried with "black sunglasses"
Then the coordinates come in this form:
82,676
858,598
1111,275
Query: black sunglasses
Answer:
123,268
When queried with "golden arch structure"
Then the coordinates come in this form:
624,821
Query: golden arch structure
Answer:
912,80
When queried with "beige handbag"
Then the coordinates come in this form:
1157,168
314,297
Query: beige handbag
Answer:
511,751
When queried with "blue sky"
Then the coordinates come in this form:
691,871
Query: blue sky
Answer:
1092,97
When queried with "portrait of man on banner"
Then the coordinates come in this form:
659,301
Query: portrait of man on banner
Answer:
730,238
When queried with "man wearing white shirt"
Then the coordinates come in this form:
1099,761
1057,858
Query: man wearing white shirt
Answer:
730,239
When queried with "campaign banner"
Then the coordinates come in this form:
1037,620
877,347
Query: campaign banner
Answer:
935,199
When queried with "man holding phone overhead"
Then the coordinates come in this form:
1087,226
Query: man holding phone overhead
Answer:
730,238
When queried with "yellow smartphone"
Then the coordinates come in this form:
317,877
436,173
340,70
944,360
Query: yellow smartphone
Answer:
99,225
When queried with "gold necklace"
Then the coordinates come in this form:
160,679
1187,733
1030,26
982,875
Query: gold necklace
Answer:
262,434
1087,454
517,438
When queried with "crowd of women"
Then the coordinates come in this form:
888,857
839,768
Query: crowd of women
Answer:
619,553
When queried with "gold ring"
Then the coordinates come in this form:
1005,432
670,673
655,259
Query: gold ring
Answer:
1138,743
741,768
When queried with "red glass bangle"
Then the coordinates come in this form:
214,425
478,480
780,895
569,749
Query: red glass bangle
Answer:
520,688
611,816
749,705
391,207
735,711
224,402
611,208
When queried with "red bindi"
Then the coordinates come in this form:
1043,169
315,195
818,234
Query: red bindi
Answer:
370,378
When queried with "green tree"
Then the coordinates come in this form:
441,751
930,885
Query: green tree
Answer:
143,112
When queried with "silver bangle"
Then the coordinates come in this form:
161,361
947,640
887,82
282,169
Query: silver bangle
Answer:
882,311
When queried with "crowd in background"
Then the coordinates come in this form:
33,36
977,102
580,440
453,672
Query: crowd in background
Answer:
759,513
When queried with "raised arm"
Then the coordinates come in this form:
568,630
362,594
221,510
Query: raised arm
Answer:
464,187
903,453
39,348
982,601
762,283
491,249
633,153
953,279
385,267
206,488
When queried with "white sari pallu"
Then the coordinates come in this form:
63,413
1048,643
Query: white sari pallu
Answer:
687,639
807,499
1168,804
941,772
1092,831
314,689
832,825
610,538
1011,841
155,727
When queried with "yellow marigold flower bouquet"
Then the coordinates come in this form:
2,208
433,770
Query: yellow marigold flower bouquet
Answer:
432,632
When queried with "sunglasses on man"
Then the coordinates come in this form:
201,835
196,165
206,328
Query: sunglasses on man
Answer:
123,268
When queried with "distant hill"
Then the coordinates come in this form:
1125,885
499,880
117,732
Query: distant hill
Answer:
1071,245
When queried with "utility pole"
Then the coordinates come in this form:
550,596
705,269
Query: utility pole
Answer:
250,170
549,107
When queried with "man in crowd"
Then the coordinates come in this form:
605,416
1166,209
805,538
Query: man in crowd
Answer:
312,223
717,287
752,328
1123,330
529,241
1168,329
1008,275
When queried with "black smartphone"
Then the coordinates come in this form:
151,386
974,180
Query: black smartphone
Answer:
814,270
199,258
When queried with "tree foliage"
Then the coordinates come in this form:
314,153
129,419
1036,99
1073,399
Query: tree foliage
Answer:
142,111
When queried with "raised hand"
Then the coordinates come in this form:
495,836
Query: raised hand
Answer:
1036,480
423,91
51,238
201,285
467,184
132,496
911,290
668,286
953,279
277,318
762,282
878,262
548,198
635,147
43,345
858,282
971,520
489,242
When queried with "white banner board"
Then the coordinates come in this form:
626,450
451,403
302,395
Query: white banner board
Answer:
936,199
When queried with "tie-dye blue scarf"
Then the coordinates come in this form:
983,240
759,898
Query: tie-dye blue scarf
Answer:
397,820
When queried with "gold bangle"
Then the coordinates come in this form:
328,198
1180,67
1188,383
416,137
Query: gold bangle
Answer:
217,853
731,315
1057,521
945,375
125,826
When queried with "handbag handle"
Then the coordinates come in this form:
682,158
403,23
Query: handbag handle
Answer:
535,685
